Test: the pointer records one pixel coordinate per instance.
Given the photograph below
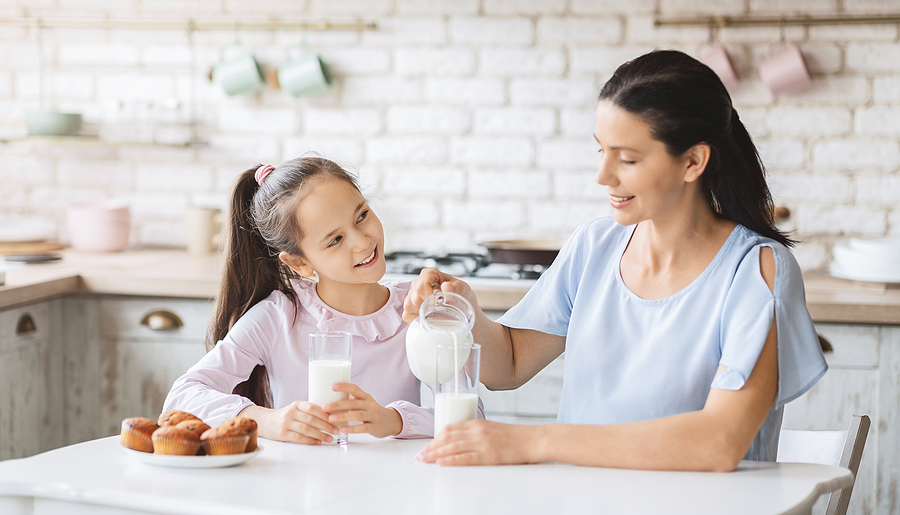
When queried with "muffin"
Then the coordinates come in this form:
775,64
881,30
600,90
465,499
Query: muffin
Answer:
137,432
249,426
171,418
196,426
225,439
175,440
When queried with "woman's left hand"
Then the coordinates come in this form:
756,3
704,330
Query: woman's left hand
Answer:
375,419
479,442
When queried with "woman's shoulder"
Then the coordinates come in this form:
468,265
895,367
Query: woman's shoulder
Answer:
746,249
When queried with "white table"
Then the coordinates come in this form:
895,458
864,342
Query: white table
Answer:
369,476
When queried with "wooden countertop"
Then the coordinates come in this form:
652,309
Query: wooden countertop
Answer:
175,273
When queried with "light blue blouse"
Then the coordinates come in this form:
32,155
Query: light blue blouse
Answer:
630,359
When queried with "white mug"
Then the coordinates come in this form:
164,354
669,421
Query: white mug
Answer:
784,70
304,76
712,54
238,72
203,228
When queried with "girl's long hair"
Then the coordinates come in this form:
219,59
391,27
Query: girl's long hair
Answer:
262,223
685,103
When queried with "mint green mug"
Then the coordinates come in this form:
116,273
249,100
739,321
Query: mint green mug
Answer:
237,73
304,76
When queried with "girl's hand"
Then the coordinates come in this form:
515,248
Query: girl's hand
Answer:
479,442
298,422
423,287
376,420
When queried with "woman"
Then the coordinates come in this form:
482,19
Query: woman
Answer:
683,316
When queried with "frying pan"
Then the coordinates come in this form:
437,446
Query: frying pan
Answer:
523,252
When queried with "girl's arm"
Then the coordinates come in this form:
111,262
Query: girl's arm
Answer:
509,357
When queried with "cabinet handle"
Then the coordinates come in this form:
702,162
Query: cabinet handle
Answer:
825,344
25,325
162,320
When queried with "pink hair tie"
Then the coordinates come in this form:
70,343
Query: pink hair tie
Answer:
262,172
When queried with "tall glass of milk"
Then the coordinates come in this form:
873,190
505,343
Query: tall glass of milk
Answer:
329,363
444,318
456,398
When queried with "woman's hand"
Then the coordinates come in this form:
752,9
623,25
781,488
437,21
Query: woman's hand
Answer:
479,442
423,287
298,422
375,419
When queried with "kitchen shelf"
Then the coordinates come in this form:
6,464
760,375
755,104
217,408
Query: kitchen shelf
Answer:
94,141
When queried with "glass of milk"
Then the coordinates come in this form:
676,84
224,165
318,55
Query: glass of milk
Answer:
329,363
456,397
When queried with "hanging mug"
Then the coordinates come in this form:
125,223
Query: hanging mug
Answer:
237,72
304,75
784,70
712,54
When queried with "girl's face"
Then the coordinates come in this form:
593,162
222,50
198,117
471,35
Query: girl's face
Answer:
644,182
343,240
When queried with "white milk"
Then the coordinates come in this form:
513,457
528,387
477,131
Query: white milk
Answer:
453,407
322,375
421,349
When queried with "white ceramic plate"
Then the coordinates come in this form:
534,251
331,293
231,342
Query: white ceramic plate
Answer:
857,274
192,462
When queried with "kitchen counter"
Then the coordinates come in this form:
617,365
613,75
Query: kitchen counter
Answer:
175,273
383,476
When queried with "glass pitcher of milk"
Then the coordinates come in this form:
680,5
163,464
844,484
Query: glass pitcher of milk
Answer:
445,319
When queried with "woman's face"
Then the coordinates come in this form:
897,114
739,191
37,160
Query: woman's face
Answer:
343,240
643,181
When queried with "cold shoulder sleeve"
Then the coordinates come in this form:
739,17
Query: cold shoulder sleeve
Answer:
747,318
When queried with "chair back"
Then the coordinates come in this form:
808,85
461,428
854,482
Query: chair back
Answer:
840,448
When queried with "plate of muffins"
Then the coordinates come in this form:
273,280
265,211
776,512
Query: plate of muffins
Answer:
181,440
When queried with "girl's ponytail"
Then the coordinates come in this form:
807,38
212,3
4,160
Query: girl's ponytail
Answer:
248,276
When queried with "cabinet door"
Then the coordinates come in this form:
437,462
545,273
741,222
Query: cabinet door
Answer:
30,382
138,364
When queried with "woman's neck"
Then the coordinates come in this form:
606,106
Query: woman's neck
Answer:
667,253
357,299
667,242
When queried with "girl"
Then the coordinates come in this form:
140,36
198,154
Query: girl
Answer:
683,316
304,253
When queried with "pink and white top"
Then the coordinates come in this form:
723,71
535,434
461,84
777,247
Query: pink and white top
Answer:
276,334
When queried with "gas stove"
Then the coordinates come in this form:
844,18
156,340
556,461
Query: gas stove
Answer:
459,264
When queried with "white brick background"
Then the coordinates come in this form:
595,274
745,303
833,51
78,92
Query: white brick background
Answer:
466,119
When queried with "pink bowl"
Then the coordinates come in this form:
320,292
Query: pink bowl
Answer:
102,227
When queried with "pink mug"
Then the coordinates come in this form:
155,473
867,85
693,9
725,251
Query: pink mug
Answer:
712,54
784,70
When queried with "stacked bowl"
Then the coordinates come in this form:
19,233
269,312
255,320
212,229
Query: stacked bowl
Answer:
868,260
99,227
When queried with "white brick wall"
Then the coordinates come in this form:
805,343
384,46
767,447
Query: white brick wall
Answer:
464,119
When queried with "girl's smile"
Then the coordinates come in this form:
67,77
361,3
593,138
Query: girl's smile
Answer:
369,261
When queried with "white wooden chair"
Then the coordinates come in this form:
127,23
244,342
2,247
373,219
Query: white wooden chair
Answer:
842,448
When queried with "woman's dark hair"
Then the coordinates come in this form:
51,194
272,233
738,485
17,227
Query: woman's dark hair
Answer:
685,103
262,222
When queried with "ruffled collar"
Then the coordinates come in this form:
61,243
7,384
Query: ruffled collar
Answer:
378,326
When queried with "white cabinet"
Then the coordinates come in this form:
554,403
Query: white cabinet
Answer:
31,380
864,379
